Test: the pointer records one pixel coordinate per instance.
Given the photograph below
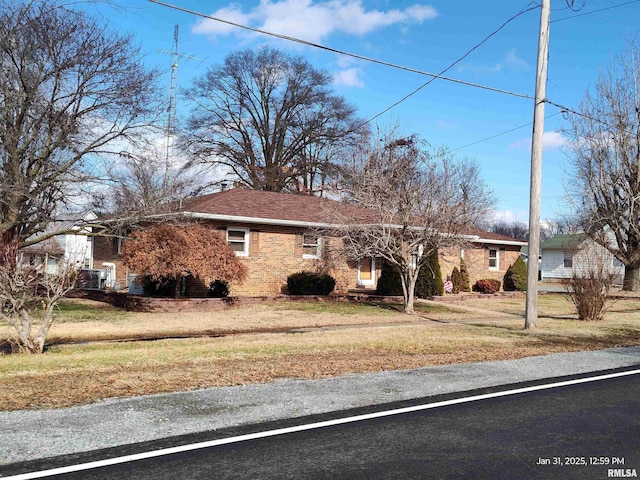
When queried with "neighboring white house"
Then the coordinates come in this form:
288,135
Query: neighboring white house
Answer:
563,255
73,247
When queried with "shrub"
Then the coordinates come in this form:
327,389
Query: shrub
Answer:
389,282
429,282
456,280
310,283
162,287
589,292
487,285
170,253
465,285
218,289
516,277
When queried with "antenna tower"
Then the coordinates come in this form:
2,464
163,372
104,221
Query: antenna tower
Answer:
173,93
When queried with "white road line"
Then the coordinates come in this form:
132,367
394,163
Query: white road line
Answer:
301,428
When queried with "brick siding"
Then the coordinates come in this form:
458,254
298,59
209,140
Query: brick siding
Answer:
275,253
477,261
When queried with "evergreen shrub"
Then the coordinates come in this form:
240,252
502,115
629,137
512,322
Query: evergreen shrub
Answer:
310,283
516,277
389,282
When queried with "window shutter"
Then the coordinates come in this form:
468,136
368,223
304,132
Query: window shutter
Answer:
502,259
486,259
254,243
298,247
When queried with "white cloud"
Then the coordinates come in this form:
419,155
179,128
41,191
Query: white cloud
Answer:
510,62
212,28
550,141
510,216
313,20
349,77
513,62
445,125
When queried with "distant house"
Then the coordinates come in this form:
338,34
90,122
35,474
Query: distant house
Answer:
72,246
276,234
563,255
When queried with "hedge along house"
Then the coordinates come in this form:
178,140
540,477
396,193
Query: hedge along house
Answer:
277,234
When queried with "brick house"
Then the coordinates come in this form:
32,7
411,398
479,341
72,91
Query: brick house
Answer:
275,234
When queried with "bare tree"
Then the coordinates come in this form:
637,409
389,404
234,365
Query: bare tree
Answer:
558,226
141,184
70,91
269,118
417,202
589,286
605,156
513,229
28,296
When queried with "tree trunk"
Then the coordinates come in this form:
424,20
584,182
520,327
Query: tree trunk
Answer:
27,343
631,281
409,287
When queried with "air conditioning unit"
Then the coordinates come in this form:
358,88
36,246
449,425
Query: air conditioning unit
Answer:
91,279
134,288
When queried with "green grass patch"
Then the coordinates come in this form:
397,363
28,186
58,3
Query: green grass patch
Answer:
74,311
338,308
430,308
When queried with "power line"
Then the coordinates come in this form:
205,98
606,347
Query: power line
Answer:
469,52
594,11
503,133
342,52
589,117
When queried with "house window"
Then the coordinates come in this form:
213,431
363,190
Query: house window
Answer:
116,245
238,240
311,246
617,263
116,242
568,259
494,261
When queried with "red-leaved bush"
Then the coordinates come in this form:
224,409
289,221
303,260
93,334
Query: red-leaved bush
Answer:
487,285
170,252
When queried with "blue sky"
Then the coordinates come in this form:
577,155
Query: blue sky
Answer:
425,36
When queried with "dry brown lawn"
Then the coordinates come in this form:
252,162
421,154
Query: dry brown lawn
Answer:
98,351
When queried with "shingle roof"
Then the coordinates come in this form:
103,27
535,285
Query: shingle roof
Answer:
287,207
484,235
241,202
49,246
564,242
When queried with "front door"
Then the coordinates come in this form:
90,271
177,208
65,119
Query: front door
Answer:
367,272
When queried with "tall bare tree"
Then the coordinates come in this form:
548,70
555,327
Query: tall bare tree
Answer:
70,90
605,158
270,118
140,184
418,201
513,229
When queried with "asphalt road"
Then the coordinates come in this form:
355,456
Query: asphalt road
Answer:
585,429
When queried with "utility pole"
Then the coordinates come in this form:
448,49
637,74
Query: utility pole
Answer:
536,166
